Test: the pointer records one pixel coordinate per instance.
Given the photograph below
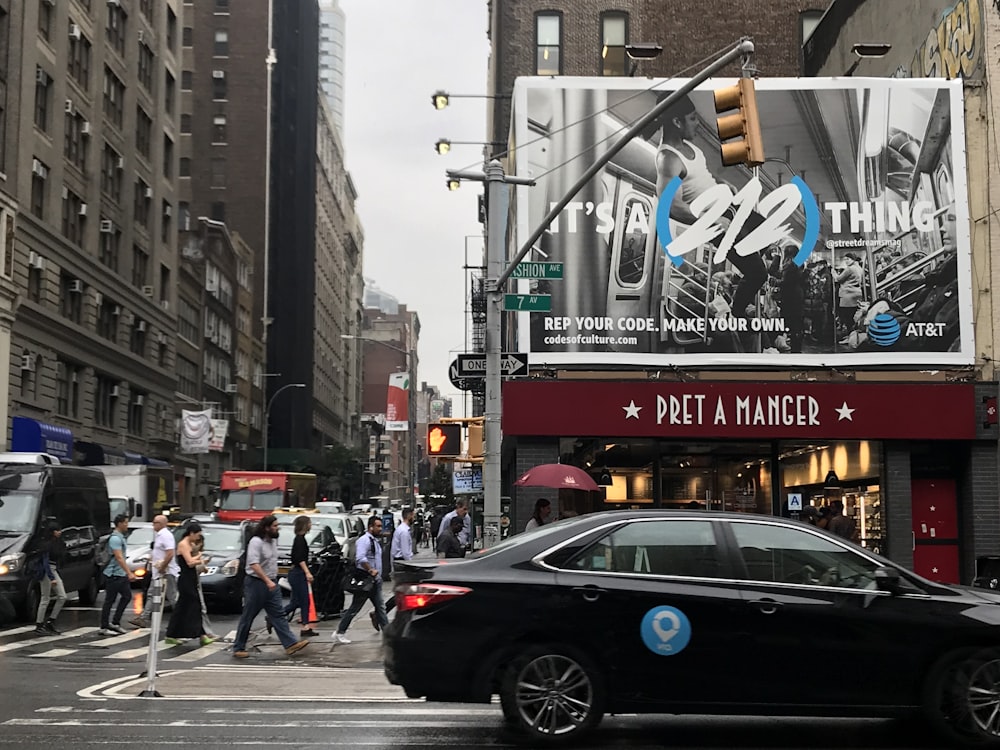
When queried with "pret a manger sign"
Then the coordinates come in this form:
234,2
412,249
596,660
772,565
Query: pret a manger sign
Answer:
698,409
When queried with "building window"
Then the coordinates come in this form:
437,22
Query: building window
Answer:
165,221
43,99
188,323
218,173
74,212
140,268
187,37
184,167
143,132
35,277
39,177
219,85
115,29
45,20
143,200
146,67
114,97
614,37
107,319
219,129
187,79
217,212
548,44
110,240
105,401
168,157
68,388
79,59
222,5
221,48
71,298
112,165
171,30
164,284
169,92
185,123
146,8
137,337
76,141
187,377
136,412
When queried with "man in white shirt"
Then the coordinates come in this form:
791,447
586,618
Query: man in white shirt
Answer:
163,566
461,511
401,549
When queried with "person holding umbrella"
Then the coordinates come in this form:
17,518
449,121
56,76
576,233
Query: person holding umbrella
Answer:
543,509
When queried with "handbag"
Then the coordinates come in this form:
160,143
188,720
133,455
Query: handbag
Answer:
357,581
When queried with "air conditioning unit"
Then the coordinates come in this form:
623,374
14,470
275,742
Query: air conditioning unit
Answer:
98,299
141,326
41,76
74,377
212,285
230,388
35,260
68,106
142,36
116,310
165,304
107,226
39,169
74,32
218,74
139,400
168,210
85,127
83,209
149,192
148,291
161,338
121,162
76,286
115,392
115,2
27,362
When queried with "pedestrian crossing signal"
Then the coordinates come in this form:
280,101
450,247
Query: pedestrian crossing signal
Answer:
744,124
444,439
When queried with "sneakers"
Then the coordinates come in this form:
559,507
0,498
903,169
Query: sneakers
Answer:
341,638
50,625
206,640
297,646
117,629
241,654
171,641
40,629
374,619
308,633
106,632
139,622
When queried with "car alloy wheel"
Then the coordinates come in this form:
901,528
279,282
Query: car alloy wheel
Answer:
552,694
963,697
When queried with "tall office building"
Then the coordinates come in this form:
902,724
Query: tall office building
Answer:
332,55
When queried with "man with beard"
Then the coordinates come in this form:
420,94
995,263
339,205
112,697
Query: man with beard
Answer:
260,590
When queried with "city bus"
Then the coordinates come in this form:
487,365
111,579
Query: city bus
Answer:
251,495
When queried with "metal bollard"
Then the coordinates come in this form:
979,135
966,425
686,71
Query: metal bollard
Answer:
156,616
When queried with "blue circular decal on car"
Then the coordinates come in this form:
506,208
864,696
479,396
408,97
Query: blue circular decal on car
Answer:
884,329
666,631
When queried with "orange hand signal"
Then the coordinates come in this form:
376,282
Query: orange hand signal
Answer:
437,439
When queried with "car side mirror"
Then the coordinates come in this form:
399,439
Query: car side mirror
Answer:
887,579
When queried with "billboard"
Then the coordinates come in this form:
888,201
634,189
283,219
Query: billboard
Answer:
848,246
397,410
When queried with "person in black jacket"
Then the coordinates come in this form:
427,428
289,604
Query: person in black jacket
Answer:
448,544
299,576
50,583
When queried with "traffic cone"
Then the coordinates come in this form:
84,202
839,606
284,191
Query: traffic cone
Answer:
312,617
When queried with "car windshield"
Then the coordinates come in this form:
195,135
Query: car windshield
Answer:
140,536
18,512
236,500
218,539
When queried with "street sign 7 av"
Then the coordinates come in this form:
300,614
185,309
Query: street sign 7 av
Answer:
527,302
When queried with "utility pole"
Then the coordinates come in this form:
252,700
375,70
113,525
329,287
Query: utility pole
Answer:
497,275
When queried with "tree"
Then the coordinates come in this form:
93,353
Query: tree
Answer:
441,482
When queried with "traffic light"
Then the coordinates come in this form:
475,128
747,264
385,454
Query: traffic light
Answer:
444,439
743,124
475,440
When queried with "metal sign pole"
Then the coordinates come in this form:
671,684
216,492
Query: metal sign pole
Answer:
156,616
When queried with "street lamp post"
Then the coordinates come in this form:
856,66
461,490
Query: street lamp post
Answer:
267,413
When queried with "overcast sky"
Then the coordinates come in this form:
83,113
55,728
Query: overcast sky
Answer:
399,52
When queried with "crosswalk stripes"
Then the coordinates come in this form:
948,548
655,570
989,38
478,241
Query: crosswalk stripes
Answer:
66,644
17,645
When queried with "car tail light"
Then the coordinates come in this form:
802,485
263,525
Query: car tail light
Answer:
423,595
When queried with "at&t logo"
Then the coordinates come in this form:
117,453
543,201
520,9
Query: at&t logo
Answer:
884,329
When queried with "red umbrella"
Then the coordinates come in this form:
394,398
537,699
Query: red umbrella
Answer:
557,476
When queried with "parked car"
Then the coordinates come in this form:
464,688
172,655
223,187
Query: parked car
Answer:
694,612
326,528
225,560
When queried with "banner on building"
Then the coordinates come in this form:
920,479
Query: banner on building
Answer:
397,410
196,431
849,246
436,410
220,428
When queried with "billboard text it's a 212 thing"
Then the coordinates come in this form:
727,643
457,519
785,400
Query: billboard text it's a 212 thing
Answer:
848,246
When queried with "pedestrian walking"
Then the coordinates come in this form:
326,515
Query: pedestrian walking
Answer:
367,561
300,577
206,623
185,621
402,549
117,580
261,592
449,543
461,511
50,584
163,566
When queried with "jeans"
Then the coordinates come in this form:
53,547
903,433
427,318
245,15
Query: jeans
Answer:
47,587
300,594
115,587
256,597
359,601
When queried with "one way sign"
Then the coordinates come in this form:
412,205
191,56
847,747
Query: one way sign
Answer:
474,365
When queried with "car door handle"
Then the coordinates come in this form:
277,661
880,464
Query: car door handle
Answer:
766,606
590,593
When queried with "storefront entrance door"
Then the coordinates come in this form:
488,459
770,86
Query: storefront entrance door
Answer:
935,529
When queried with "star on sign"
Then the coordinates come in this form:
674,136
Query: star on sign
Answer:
631,410
934,570
845,412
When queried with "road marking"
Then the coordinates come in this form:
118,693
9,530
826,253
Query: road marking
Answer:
54,653
17,631
134,652
116,639
202,652
44,639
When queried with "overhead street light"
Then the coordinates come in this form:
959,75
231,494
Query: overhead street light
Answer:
642,51
267,413
441,99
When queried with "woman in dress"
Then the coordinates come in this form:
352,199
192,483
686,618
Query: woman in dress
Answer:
185,622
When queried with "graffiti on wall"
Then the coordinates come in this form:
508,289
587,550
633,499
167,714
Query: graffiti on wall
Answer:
954,47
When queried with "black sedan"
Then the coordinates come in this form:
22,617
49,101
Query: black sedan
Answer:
224,553
690,612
